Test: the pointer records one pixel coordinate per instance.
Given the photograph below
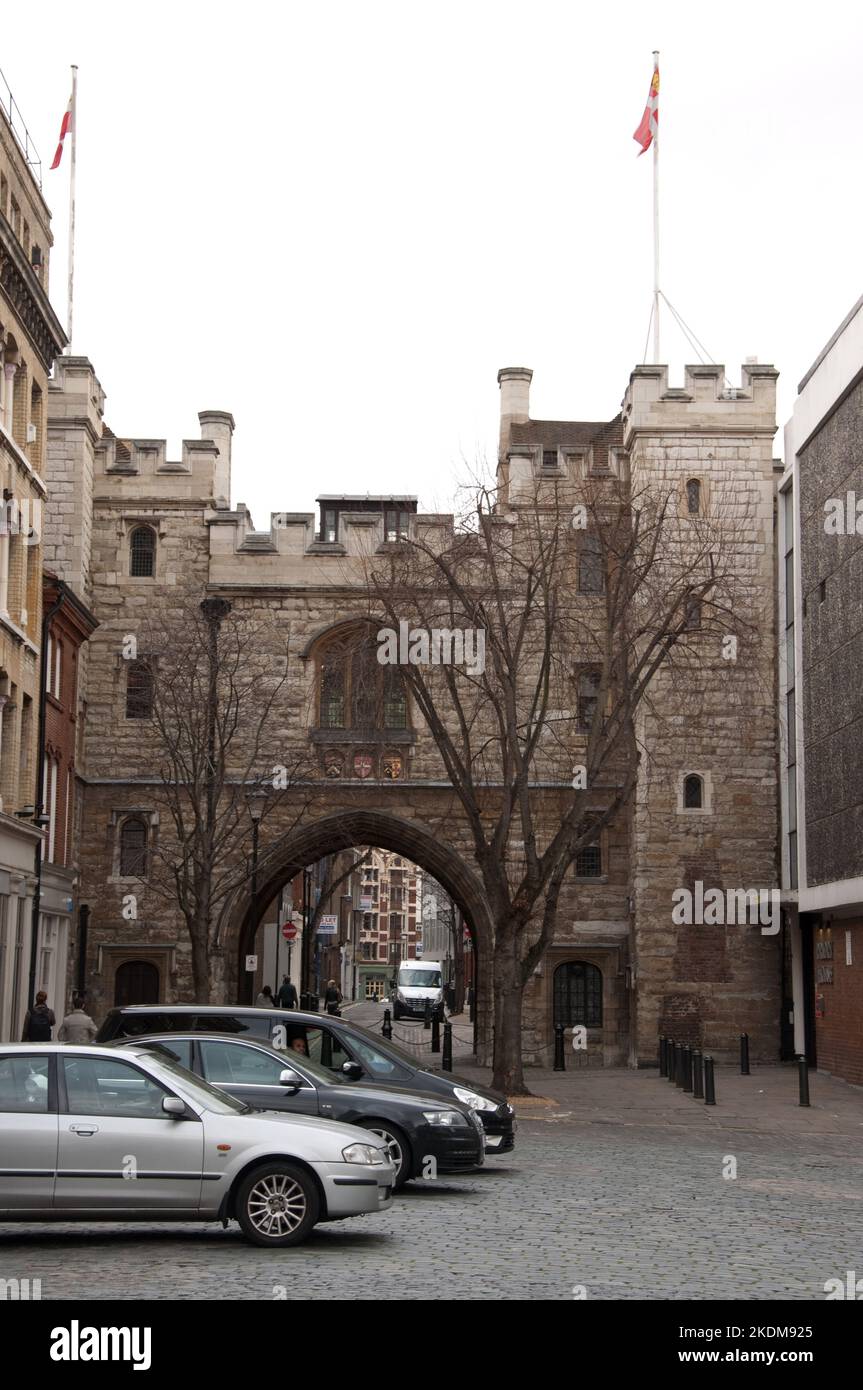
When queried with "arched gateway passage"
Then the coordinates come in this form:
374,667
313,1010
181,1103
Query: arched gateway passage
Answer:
349,829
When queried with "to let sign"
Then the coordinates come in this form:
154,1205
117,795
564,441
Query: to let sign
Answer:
328,925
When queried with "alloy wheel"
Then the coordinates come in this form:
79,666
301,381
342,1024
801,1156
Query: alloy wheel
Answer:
276,1205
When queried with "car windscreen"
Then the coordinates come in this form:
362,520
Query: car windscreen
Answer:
419,979
210,1097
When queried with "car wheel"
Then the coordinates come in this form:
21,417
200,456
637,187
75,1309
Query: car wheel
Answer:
397,1147
277,1205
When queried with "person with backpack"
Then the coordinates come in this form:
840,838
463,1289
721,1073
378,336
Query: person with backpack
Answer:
39,1022
332,998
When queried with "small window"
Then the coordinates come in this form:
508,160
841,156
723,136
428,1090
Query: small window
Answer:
588,862
329,527
591,577
588,699
693,792
693,497
578,995
693,614
142,553
139,691
396,524
549,460
133,848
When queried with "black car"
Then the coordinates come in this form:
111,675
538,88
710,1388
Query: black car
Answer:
416,1126
337,1043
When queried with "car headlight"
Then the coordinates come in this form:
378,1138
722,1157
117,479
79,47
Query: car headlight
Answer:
475,1101
363,1153
452,1119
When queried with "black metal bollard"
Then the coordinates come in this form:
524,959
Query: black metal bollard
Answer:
672,1059
435,1027
559,1059
427,1014
387,1028
687,1068
680,1068
709,1082
663,1056
744,1054
446,1059
697,1075
803,1067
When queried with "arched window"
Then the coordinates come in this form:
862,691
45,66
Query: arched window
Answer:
133,848
693,792
354,690
693,496
139,690
136,982
142,552
578,994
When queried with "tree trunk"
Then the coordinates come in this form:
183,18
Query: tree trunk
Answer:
508,998
200,961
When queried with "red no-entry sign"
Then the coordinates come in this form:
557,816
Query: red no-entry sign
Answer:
289,931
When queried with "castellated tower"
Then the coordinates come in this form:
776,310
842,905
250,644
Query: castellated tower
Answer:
705,808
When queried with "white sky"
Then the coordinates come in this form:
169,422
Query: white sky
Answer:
339,220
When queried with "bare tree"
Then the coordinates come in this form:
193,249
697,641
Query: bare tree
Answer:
211,681
580,602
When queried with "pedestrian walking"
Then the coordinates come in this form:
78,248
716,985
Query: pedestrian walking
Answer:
265,999
39,1021
287,995
332,998
77,1027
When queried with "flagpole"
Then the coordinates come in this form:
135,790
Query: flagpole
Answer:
74,133
656,229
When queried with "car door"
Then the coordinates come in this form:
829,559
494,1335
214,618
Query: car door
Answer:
117,1147
28,1131
252,1075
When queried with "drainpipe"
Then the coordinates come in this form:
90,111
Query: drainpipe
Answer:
39,805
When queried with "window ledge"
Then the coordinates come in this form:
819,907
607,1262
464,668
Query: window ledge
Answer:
361,736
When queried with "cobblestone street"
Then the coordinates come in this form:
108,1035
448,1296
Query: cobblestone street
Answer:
616,1184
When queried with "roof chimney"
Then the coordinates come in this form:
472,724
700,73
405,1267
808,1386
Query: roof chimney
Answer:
514,385
218,425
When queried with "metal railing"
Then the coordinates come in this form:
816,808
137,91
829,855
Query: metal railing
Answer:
12,112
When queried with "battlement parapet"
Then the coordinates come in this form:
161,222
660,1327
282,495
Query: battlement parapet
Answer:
705,404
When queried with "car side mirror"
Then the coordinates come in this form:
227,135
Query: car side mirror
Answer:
173,1106
290,1079
352,1070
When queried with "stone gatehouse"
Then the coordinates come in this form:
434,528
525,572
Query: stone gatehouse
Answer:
137,534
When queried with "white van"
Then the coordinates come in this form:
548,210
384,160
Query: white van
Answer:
416,982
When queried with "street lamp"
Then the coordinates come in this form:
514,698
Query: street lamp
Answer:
256,801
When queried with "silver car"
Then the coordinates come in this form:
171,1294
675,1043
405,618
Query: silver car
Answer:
88,1134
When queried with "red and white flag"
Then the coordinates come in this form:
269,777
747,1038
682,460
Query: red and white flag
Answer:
649,126
64,131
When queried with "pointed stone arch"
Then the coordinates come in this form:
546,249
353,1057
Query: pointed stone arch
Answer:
326,834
